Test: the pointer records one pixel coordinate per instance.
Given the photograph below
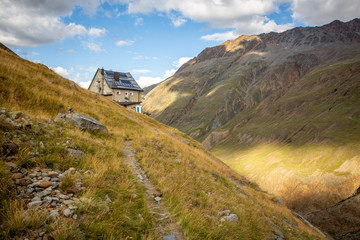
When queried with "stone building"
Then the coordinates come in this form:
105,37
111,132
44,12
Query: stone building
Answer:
118,86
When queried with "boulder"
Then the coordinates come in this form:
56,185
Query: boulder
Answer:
74,153
230,218
169,237
81,121
34,205
44,184
224,213
68,212
54,214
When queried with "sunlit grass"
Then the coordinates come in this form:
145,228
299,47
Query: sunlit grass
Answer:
195,187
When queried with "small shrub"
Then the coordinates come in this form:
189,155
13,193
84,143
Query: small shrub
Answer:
16,219
65,230
67,184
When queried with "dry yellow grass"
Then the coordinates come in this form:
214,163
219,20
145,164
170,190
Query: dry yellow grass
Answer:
195,187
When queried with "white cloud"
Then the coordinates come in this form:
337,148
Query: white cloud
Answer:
62,71
177,64
84,84
145,81
32,23
246,16
324,11
140,71
124,43
82,79
181,61
95,47
220,37
71,51
177,21
169,73
220,14
97,32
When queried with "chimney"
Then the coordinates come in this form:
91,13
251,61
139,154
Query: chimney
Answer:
102,71
116,76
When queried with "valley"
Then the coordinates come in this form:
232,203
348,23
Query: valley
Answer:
283,110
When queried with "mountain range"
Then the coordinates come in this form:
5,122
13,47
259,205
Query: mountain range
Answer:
280,108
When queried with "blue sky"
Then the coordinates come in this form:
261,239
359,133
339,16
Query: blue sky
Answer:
149,38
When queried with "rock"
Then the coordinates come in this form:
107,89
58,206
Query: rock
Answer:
24,182
107,199
11,166
44,184
186,141
74,153
134,195
34,205
81,121
47,199
54,214
63,196
72,207
15,115
230,218
42,145
224,213
290,223
68,202
140,177
158,199
41,194
17,176
36,199
169,237
70,170
277,233
74,216
68,212
88,172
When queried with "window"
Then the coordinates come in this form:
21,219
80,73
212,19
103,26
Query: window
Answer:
118,93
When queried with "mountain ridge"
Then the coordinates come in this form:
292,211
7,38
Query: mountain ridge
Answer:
280,108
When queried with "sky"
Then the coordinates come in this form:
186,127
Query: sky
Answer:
150,39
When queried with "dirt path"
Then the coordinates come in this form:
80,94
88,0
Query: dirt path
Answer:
164,225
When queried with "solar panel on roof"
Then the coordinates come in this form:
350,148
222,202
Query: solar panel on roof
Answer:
126,81
123,75
123,84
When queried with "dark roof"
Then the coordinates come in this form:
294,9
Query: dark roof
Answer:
120,80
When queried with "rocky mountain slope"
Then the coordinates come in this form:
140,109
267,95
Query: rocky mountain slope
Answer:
132,179
280,108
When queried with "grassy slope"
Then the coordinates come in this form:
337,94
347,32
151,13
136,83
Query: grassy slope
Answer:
320,132
195,189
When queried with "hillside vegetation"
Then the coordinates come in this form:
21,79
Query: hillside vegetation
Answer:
195,187
280,108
